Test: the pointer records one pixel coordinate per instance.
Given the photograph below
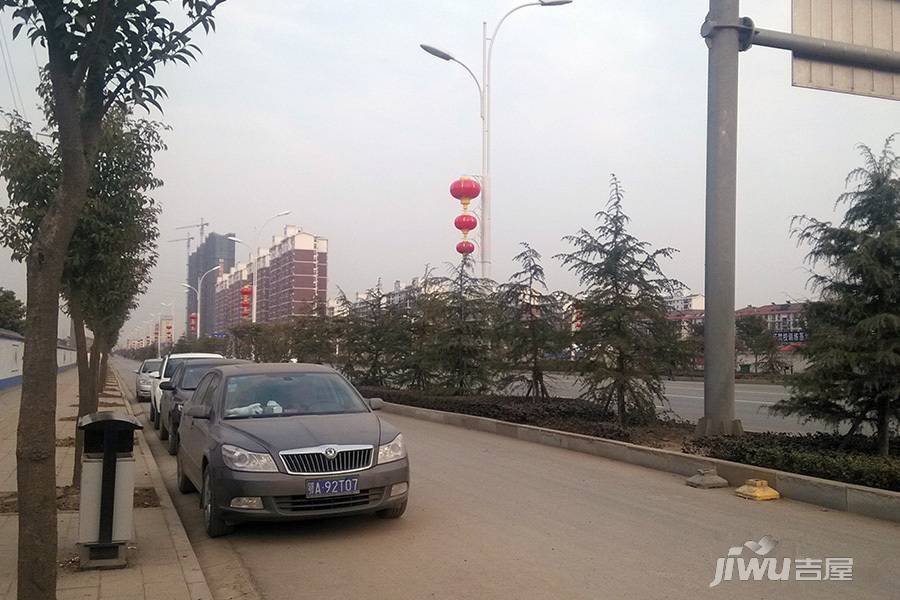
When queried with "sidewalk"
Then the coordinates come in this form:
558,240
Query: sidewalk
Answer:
161,562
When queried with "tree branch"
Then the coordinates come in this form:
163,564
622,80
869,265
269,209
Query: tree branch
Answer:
90,48
176,38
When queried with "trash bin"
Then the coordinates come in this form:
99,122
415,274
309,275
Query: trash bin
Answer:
105,519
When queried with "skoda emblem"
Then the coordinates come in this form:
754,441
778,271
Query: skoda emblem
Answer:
330,452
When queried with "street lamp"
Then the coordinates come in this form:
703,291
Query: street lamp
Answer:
484,94
196,290
254,253
159,327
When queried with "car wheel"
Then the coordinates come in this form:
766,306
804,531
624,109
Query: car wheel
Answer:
163,430
184,484
216,525
392,513
172,446
156,419
152,413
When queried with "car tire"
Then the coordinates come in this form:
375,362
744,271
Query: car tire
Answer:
184,484
172,446
156,419
215,524
392,513
163,430
152,414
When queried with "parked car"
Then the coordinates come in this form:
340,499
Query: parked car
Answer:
143,382
288,442
179,389
170,362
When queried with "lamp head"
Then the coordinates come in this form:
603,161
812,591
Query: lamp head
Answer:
436,52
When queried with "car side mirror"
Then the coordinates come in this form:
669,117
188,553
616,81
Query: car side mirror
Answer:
166,386
198,411
154,374
136,372
376,403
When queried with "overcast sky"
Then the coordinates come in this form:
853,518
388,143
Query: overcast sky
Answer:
331,110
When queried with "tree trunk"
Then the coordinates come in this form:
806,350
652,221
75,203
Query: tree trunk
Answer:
36,435
104,369
84,379
884,427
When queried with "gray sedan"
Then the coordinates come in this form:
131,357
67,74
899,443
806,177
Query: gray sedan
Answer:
288,442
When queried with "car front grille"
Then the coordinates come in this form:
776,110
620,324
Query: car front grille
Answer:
315,461
302,504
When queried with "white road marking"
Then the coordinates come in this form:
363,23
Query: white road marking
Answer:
701,398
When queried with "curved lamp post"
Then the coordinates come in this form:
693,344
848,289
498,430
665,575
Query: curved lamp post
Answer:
254,254
196,290
484,95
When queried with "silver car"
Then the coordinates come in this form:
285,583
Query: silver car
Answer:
143,383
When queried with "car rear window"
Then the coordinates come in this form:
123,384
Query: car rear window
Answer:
171,365
151,365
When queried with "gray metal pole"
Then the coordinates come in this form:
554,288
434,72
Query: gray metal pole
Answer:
829,50
721,177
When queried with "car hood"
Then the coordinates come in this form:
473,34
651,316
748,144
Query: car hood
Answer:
277,434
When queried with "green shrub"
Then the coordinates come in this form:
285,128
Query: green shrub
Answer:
817,455
565,414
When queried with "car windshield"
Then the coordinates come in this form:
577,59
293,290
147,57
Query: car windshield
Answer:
171,366
193,375
151,365
288,394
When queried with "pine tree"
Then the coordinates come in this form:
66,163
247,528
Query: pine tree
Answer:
854,328
418,358
464,330
531,324
625,344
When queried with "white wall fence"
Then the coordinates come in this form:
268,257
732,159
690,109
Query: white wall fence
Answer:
12,346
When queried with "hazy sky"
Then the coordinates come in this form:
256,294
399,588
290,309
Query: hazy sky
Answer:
331,110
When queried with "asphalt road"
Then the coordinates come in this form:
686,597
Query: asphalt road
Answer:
495,518
751,404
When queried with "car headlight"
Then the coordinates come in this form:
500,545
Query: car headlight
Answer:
239,459
393,450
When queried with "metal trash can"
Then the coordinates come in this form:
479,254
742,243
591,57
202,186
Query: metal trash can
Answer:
105,512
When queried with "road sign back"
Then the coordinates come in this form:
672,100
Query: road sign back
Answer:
871,23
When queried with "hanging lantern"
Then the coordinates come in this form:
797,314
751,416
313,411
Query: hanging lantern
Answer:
465,247
465,189
465,222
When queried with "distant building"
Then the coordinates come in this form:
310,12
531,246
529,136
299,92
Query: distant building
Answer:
216,249
686,303
785,321
292,281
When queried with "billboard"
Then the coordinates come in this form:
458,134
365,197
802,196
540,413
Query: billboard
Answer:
870,23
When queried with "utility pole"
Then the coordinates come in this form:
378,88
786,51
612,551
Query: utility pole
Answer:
727,34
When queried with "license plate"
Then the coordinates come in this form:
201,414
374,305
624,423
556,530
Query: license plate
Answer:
334,486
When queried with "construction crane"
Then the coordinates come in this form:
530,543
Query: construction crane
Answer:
202,225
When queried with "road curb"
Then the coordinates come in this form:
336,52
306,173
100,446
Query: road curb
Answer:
835,495
190,566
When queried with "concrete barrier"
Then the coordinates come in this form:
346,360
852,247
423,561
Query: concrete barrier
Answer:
871,502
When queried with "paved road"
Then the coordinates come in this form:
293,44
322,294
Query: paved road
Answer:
752,401
496,518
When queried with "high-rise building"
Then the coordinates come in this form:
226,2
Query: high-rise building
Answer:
216,249
292,278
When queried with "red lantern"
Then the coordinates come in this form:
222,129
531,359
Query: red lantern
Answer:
465,223
465,189
246,290
465,247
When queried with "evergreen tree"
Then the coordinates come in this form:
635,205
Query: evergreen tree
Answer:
625,344
464,330
371,334
854,329
531,324
419,358
754,337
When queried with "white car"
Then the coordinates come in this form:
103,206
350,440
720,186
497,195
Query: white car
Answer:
143,384
169,364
